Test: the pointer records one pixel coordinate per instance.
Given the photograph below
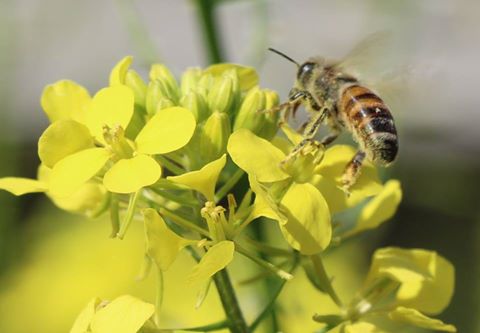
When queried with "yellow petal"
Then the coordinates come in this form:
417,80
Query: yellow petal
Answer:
426,279
247,76
203,180
163,245
111,106
264,205
335,197
170,129
130,175
333,166
308,228
381,208
82,323
126,314
21,186
63,138
216,259
65,100
69,174
256,156
118,73
415,318
361,327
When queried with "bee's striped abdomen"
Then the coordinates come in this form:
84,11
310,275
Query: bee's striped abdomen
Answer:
371,121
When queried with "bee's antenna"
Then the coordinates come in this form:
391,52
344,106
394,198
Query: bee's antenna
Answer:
284,55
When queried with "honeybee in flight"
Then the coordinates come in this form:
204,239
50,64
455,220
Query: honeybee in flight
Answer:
333,95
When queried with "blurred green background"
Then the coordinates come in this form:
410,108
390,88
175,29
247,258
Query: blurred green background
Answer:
52,263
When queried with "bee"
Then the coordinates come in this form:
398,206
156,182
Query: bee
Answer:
333,95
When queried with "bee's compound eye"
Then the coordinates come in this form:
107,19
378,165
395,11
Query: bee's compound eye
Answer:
306,69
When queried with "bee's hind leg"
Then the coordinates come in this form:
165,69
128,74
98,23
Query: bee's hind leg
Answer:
352,171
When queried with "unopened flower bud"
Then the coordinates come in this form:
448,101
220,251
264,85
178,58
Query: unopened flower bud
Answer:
236,92
214,138
162,73
196,104
249,115
270,126
221,95
155,92
190,79
135,82
164,103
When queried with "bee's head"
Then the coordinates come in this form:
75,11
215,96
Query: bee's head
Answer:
306,70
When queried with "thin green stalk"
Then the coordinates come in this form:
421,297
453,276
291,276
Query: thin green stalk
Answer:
231,182
206,16
263,263
230,304
129,216
190,202
183,222
271,303
206,328
159,295
175,169
325,280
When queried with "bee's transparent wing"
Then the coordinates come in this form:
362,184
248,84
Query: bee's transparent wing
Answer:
381,62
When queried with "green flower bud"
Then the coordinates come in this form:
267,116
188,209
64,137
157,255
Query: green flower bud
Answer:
221,95
163,74
249,116
196,104
154,94
164,103
190,79
135,82
214,138
236,91
136,122
270,127
205,83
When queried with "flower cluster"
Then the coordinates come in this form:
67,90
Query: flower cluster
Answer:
198,161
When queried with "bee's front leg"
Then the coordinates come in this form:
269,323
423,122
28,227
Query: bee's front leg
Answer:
295,99
352,171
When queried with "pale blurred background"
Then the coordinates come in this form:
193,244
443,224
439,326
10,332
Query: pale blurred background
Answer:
51,263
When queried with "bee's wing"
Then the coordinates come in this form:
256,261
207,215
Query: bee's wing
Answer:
381,62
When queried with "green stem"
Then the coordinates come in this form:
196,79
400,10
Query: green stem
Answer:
129,216
230,304
231,182
183,222
325,280
271,303
206,328
176,170
263,263
206,15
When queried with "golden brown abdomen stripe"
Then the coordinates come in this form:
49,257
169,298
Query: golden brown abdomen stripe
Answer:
372,121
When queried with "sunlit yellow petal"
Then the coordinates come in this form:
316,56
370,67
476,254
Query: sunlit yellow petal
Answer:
82,323
170,129
361,327
247,76
112,106
126,314
203,180
21,186
163,245
381,208
264,205
69,174
217,257
65,100
426,279
256,156
416,318
333,166
308,228
118,73
63,138
130,175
